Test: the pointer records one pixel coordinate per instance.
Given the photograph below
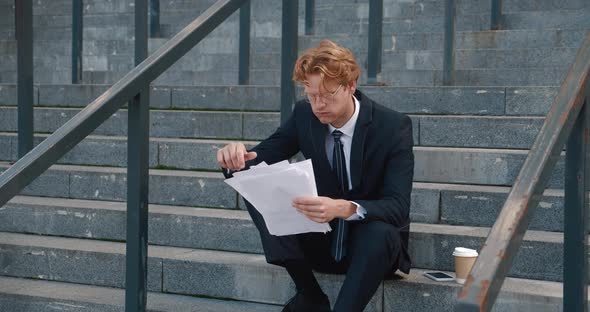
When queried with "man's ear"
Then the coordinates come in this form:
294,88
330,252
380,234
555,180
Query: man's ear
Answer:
352,86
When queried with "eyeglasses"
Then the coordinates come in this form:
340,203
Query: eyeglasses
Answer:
324,98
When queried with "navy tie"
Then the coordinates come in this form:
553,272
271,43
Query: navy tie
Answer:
340,232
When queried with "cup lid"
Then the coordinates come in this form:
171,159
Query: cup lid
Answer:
465,252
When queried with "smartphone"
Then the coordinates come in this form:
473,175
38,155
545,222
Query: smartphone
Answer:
439,276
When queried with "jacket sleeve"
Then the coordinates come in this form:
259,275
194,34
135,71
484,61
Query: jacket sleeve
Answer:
282,144
394,205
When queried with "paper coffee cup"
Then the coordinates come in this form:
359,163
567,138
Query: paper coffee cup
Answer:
464,260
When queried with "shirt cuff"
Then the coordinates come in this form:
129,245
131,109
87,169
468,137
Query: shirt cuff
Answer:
360,214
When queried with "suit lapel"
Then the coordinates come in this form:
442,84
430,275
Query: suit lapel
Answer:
357,152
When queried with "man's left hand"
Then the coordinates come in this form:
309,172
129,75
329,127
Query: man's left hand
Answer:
323,209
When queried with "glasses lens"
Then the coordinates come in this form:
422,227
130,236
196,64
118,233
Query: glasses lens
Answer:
324,98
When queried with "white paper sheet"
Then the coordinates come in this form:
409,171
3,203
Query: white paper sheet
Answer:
271,190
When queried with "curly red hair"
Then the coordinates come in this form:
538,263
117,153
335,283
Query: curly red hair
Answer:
330,60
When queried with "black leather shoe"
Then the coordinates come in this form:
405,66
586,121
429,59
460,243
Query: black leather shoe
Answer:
300,303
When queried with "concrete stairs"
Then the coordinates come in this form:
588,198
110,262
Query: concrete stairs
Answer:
74,214
62,240
204,267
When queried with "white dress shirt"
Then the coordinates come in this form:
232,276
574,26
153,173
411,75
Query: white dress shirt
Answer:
346,139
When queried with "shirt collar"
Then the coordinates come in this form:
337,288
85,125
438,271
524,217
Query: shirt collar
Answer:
348,128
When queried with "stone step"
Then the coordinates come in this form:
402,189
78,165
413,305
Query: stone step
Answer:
197,64
429,131
543,5
60,7
175,187
564,19
118,56
208,78
207,189
474,131
487,166
405,68
227,42
221,274
542,76
8,76
63,48
413,293
91,20
522,59
520,101
535,76
424,41
466,7
502,39
425,16
430,8
103,32
473,14
31,295
233,230
187,124
391,7
474,6
519,39
433,164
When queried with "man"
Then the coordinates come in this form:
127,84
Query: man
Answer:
363,163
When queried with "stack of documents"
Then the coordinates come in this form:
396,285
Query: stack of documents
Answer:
271,190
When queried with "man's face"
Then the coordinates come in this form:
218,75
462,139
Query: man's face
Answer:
331,102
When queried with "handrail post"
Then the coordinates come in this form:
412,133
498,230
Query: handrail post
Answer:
138,176
154,14
575,249
309,17
375,40
496,18
449,42
77,39
24,37
288,57
244,57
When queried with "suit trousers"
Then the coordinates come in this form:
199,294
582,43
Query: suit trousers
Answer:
373,252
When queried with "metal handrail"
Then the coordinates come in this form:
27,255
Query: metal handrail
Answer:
309,17
496,15
134,85
290,12
24,55
568,121
449,44
77,38
244,49
154,13
375,48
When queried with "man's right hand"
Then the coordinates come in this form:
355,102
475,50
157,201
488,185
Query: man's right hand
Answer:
234,156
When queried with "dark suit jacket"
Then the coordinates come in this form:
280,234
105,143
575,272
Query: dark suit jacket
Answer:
381,164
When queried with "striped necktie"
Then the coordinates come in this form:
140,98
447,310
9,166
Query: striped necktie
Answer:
340,232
